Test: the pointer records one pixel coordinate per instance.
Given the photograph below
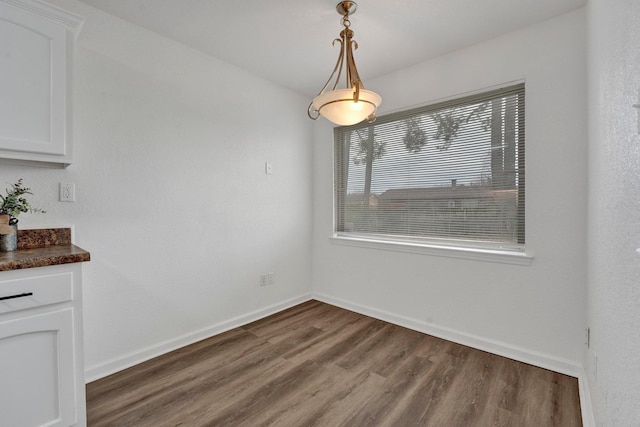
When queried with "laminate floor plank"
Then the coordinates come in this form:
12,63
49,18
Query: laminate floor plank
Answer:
319,365
404,345
170,392
267,396
539,407
176,376
311,392
245,377
567,394
513,376
295,319
337,320
426,399
335,343
380,407
351,394
466,398
149,371
383,351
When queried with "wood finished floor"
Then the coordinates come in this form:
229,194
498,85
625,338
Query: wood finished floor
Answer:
319,365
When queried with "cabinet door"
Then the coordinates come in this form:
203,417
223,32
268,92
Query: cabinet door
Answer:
37,370
33,83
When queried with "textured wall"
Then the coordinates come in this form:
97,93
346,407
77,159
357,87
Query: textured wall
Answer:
539,308
172,199
613,361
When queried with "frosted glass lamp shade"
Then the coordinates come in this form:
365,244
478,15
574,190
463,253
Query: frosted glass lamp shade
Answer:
338,106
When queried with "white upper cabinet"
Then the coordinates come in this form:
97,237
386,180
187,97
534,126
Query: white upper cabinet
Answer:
36,64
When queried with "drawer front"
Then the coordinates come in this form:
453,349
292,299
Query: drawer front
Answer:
36,291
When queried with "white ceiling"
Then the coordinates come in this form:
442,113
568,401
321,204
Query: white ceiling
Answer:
289,42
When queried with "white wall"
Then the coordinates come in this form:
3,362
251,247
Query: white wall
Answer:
172,199
534,312
614,212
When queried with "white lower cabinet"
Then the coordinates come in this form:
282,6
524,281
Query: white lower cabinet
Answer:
41,359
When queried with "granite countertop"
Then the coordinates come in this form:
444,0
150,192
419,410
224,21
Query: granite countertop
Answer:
41,248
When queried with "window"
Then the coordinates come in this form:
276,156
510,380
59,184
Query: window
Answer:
449,174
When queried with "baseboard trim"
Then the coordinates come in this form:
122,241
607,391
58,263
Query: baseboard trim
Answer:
524,355
126,361
586,407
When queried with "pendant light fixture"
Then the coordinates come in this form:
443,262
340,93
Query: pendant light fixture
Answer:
352,104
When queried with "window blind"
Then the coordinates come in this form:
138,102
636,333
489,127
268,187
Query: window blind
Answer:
450,173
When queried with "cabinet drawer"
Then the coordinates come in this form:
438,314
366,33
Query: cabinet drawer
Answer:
20,294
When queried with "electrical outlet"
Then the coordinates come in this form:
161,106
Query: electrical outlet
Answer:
266,279
268,168
67,192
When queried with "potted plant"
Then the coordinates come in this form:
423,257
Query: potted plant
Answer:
12,205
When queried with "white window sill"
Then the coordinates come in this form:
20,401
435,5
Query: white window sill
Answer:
489,255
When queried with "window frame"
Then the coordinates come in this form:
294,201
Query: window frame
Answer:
512,253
